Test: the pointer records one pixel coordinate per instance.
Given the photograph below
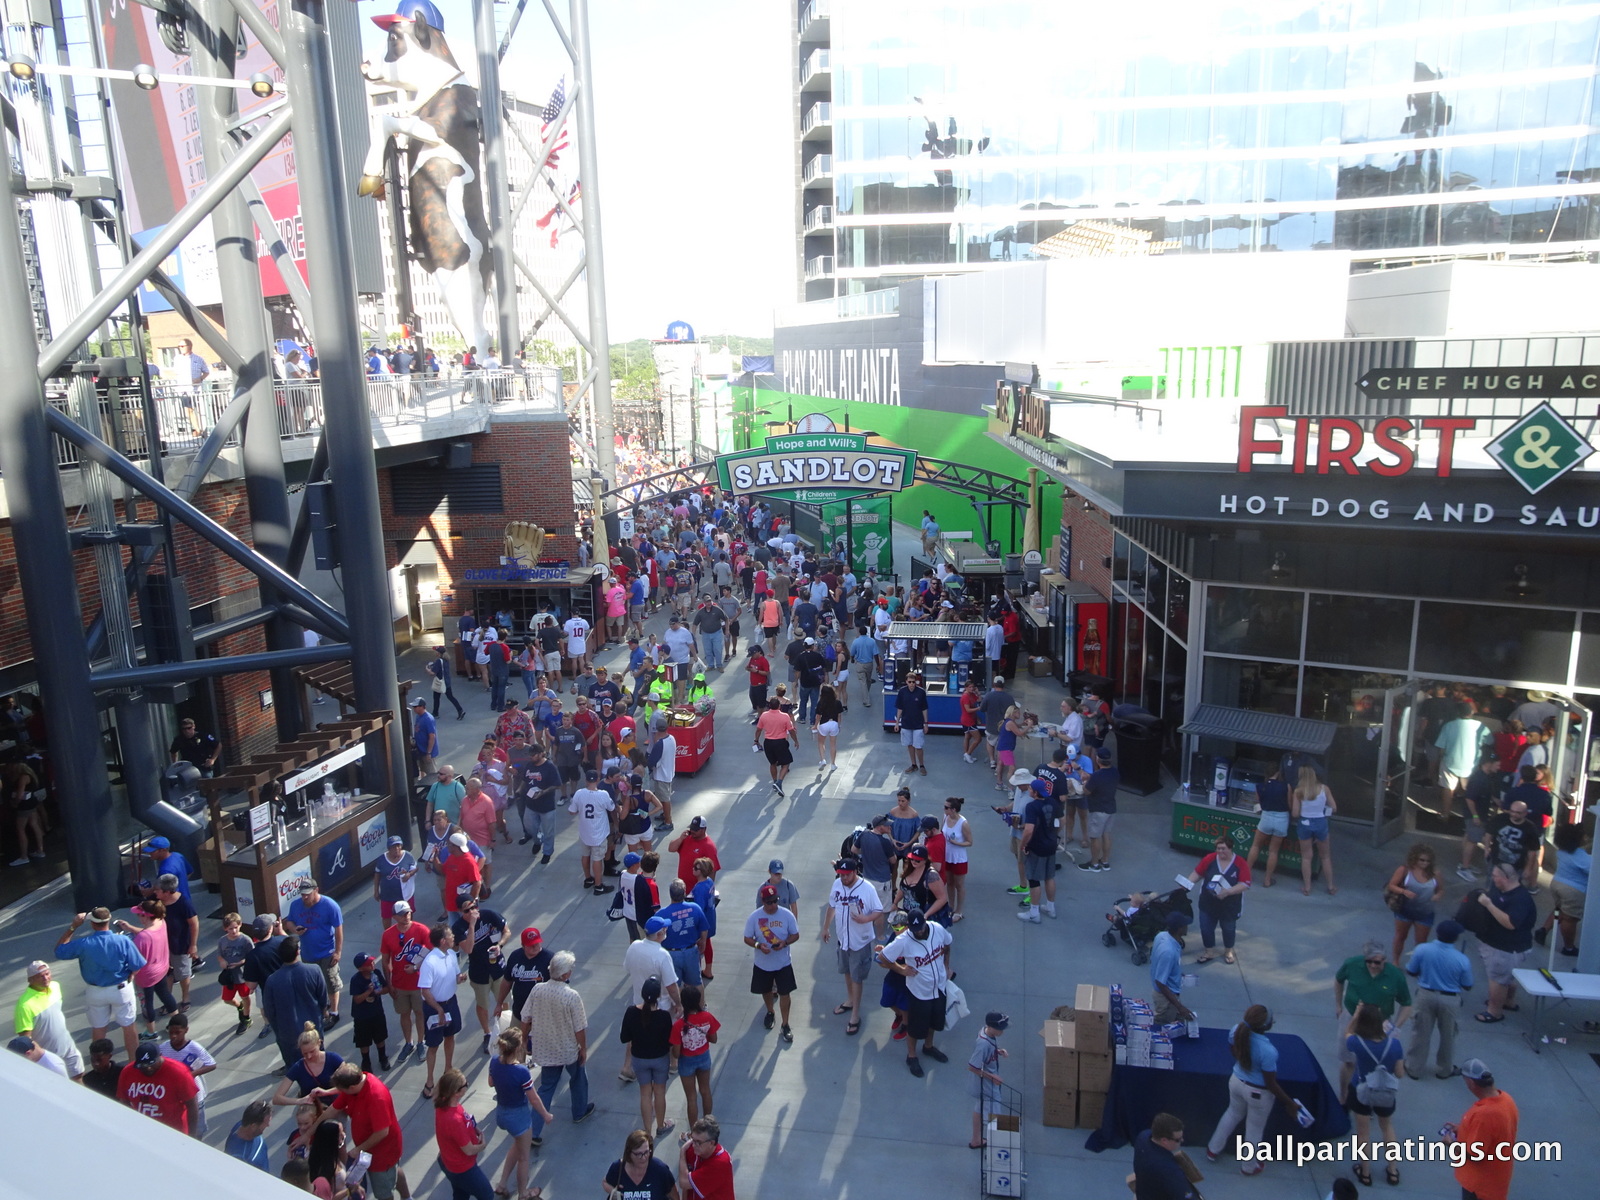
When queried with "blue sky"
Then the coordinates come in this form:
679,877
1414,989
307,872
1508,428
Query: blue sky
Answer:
694,140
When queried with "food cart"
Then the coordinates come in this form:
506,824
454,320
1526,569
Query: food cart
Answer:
925,646
694,731
301,811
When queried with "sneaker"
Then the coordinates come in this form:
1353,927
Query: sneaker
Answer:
525,839
244,1023
612,870
1210,1157
36,854
779,786
587,1113
266,1032
366,1065
1102,866
1568,951
587,883
1031,916
1049,910
1467,873
484,1049
786,1034
601,889
900,1034
1533,889
821,762
383,1063
1089,866
924,770
1019,890
914,1067
544,859
936,1054
18,862
967,758
768,1021
1542,936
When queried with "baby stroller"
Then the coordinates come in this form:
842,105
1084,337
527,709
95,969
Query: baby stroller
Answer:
1139,917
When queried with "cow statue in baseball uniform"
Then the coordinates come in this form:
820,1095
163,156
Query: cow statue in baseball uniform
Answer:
439,136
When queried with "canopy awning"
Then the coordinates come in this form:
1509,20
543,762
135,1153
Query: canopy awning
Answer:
937,631
1260,729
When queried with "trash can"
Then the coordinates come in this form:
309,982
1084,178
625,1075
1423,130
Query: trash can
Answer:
1139,752
1086,681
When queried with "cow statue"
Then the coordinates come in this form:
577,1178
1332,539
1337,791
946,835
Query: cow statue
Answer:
439,137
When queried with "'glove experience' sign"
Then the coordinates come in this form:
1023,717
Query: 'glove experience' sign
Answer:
822,466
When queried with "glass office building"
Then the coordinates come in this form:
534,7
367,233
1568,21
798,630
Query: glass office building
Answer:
936,136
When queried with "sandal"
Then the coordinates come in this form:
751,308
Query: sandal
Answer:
841,1010
1229,959
1489,1018
532,1193
502,1191
1363,1175
427,1091
955,918
1203,959
852,1029
665,1128
1392,1174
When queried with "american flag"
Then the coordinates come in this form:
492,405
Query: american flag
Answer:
551,114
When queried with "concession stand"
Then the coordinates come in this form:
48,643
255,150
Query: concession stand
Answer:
1220,798
307,809
925,646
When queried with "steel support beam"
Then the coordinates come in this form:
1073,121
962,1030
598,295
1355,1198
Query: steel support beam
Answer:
347,428
589,174
68,341
496,180
261,449
169,500
209,668
50,593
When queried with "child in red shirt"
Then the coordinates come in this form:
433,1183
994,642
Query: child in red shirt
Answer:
692,1038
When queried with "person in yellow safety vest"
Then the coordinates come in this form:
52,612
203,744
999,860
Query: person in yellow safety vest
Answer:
698,690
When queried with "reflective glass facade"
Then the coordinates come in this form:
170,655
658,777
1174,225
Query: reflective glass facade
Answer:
973,133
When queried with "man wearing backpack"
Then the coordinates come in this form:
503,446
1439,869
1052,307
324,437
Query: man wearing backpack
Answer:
1041,818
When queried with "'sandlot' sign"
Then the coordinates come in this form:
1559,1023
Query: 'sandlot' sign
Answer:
827,466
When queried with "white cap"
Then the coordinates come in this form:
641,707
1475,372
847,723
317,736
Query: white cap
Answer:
458,840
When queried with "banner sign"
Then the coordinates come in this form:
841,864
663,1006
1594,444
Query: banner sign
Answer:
870,539
817,468
1456,383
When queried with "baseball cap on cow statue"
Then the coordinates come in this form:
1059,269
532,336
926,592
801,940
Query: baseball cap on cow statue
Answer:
412,10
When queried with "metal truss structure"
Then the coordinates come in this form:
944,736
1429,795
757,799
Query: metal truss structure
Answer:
72,668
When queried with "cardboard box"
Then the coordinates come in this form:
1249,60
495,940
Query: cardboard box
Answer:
1092,1015
1062,1012
1004,1133
1060,1054
1091,1108
1094,1072
1040,667
1060,1109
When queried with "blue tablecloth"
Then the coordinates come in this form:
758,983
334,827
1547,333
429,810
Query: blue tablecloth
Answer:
1196,1090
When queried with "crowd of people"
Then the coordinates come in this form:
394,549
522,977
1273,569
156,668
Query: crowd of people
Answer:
890,912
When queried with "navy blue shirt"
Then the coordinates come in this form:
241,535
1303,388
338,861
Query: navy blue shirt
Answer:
911,707
1100,793
1157,1174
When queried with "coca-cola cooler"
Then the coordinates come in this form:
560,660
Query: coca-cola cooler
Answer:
1080,633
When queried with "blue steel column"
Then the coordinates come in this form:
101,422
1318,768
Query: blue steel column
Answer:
325,211
245,318
50,593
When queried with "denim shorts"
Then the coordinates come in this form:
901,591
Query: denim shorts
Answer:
650,1070
1312,829
1274,824
688,1064
514,1121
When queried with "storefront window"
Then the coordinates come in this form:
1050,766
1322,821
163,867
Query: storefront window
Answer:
1178,605
1154,678
1479,640
1119,561
1352,700
1155,595
1589,651
1259,622
1137,561
1257,686
1129,685
1362,630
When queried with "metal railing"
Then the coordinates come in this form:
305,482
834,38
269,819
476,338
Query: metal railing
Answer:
820,267
818,115
820,167
815,63
813,10
819,218
185,415
882,303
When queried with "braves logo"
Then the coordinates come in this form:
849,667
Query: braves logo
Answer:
411,953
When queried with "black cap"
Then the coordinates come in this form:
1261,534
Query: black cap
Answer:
848,863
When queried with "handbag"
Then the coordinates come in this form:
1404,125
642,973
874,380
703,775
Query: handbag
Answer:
955,1004
438,686
1394,900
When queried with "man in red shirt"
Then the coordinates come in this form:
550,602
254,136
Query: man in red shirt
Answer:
374,1127
462,875
760,672
405,944
705,1167
587,723
695,843
162,1088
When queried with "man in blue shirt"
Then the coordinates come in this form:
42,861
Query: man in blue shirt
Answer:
425,735
169,862
1442,973
911,721
686,935
1166,971
319,924
866,664
293,995
1157,1174
107,962
247,1141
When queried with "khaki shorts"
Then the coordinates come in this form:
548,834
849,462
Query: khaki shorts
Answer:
182,966
483,994
406,1000
1569,900
1100,823
1498,964
330,973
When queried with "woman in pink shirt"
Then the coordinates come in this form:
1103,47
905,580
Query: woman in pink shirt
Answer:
150,938
478,818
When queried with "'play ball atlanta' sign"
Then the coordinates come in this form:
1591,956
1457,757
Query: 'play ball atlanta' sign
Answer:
817,468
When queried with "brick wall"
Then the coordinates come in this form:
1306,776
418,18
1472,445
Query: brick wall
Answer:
536,478
1091,546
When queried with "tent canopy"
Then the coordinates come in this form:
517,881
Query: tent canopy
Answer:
1260,729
